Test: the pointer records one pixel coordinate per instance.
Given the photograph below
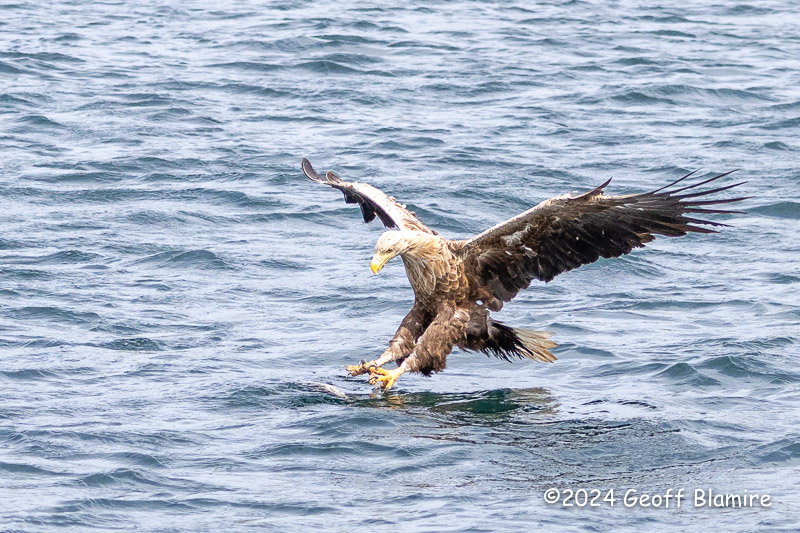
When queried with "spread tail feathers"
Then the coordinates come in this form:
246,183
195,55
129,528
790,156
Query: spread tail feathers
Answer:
505,342
535,344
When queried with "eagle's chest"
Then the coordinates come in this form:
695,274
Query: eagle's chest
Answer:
437,281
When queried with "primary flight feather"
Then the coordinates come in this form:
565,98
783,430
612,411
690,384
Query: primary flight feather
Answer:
457,283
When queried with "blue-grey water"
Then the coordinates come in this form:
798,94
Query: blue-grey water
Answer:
178,303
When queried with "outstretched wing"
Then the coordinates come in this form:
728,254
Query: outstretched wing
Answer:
566,232
371,200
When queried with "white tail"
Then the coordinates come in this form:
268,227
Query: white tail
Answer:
535,344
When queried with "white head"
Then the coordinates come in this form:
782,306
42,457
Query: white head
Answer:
394,243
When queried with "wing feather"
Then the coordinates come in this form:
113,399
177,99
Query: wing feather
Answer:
372,201
565,232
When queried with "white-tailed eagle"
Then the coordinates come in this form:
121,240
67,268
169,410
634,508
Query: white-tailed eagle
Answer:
457,283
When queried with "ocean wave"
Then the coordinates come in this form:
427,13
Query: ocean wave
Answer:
786,210
202,259
54,314
136,344
247,66
67,257
40,121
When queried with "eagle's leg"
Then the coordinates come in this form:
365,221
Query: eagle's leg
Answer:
431,351
401,345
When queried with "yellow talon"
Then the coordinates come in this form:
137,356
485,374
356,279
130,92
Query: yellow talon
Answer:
384,378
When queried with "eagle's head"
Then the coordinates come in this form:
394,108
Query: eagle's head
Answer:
407,243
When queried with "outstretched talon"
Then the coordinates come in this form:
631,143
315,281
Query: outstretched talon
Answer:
361,368
384,378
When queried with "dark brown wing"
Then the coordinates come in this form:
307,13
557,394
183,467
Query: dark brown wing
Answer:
566,232
371,200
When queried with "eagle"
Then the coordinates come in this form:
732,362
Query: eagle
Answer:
458,283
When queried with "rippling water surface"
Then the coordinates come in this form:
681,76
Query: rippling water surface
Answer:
177,303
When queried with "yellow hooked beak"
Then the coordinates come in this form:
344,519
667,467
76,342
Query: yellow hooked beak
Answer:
378,261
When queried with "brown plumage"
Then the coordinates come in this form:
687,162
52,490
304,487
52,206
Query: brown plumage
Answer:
457,283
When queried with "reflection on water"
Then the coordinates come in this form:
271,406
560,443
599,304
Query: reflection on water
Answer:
488,405
485,403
